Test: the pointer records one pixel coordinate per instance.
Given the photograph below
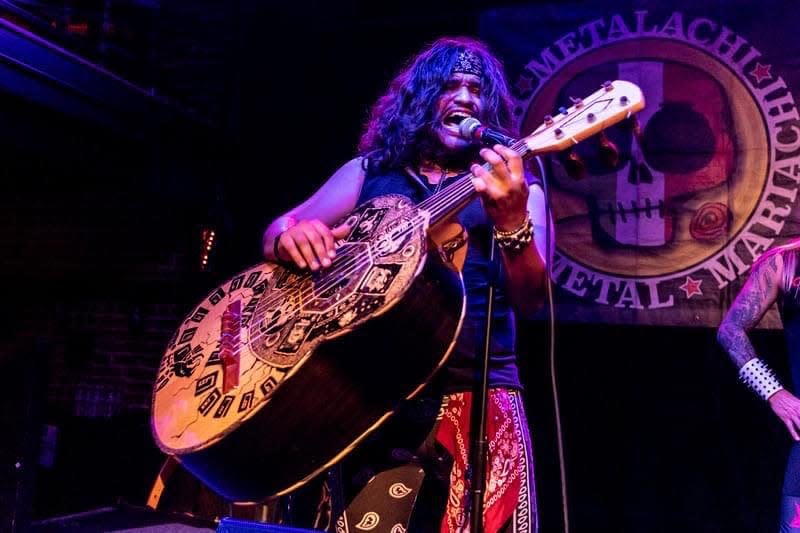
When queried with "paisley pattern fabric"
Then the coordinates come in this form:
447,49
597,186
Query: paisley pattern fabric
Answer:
385,506
509,496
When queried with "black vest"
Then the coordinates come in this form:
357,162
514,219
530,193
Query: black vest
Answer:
460,369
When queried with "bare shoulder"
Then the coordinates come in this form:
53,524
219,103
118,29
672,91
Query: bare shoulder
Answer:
353,170
336,197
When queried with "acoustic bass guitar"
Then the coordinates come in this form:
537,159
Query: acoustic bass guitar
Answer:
278,373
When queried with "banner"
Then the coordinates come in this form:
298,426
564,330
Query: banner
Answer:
660,220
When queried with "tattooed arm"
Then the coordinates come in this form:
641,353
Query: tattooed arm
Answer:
758,294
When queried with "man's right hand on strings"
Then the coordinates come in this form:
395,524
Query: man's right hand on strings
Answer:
309,244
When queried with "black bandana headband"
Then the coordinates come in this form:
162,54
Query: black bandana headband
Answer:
468,62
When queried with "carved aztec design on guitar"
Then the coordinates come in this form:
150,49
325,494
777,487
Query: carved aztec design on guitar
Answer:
245,338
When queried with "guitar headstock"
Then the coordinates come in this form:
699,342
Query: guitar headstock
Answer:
613,102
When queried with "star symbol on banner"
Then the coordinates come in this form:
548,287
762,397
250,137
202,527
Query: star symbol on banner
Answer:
761,72
524,84
691,287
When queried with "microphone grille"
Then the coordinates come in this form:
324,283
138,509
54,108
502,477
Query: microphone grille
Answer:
468,126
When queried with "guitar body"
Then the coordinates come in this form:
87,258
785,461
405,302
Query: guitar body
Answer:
278,374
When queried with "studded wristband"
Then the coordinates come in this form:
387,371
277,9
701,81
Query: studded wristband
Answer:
759,377
515,240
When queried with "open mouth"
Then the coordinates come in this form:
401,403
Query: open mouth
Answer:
452,119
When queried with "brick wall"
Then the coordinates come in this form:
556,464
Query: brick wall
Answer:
99,260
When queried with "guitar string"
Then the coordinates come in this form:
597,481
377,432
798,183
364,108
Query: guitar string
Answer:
439,203
448,194
354,263
462,187
459,190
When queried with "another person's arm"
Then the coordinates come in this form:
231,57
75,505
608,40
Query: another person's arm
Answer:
757,295
304,235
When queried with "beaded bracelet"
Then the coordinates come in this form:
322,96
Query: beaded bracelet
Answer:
760,378
515,240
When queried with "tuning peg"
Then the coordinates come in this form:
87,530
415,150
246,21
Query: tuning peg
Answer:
573,164
548,120
609,153
607,86
563,110
577,102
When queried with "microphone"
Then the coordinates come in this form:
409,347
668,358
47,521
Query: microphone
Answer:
471,129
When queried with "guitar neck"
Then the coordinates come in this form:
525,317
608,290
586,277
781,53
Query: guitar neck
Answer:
451,199
612,103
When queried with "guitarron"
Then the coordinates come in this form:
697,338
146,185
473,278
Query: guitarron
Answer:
278,374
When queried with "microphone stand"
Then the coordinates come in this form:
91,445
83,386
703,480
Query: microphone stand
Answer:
471,128
480,400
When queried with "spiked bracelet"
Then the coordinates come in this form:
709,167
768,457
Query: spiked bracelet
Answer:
517,239
759,377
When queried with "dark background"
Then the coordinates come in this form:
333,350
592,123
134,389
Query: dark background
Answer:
246,108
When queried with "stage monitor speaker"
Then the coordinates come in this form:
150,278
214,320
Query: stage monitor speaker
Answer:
233,525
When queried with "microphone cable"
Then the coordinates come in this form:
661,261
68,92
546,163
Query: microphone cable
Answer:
551,314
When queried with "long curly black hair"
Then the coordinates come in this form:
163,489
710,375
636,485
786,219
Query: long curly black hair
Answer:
397,133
